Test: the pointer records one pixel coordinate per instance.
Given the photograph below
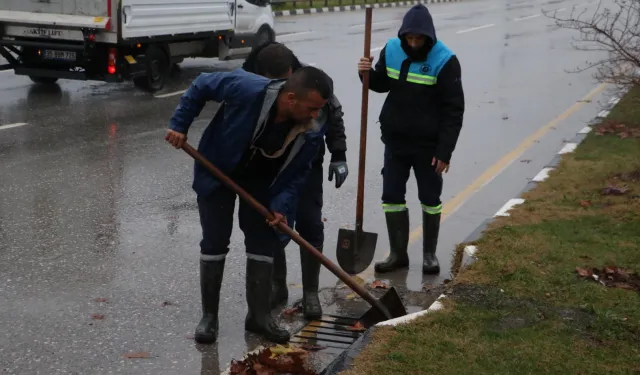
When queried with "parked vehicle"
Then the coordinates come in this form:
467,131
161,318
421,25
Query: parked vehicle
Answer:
118,40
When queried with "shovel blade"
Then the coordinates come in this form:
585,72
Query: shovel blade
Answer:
392,301
355,250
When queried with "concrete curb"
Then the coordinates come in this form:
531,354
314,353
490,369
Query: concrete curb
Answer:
349,8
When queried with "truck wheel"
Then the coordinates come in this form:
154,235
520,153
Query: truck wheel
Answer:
157,66
44,80
264,36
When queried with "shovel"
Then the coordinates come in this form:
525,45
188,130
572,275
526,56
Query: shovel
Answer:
356,248
388,307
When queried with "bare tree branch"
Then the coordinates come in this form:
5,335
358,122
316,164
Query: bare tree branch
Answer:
614,30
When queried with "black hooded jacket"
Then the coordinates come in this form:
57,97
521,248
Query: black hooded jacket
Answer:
420,117
335,138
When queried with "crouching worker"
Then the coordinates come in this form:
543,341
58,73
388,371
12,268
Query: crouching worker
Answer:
264,137
276,61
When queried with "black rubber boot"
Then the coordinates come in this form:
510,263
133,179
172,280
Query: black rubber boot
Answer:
310,280
259,319
279,290
398,228
210,282
430,232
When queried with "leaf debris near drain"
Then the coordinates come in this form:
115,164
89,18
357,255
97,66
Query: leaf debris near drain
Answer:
97,316
312,348
271,361
291,311
379,285
137,355
612,277
356,327
99,300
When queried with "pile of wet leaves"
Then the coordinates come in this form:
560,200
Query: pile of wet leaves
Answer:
612,277
274,360
617,128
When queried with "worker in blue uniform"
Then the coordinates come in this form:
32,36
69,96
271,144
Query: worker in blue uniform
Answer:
420,122
276,61
265,138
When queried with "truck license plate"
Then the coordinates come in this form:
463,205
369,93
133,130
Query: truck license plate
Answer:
59,55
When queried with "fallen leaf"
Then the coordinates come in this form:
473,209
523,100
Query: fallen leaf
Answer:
100,300
238,368
356,327
446,281
291,311
525,161
585,203
324,219
379,284
350,296
167,303
97,316
312,348
582,272
288,350
614,190
136,355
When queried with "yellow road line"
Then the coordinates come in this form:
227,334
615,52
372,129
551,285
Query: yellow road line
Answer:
492,172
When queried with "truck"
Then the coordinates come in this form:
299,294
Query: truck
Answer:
121,40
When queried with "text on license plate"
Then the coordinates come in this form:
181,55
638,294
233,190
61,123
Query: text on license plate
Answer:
59,55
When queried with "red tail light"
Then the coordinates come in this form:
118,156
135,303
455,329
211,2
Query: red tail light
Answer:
111,65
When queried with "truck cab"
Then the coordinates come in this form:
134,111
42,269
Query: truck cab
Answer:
119,40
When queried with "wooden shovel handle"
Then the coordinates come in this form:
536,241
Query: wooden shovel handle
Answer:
364,111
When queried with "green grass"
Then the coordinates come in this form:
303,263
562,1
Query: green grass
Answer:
521,308
305,4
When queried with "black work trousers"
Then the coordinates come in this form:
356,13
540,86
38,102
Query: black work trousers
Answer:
216,218
308,222
395,175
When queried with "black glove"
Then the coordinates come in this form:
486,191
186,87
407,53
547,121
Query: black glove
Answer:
340,170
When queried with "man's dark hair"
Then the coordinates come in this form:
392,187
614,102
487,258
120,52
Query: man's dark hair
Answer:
309,78
274,60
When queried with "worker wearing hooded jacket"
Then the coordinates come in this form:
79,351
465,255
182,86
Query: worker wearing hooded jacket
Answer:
420,122
275,61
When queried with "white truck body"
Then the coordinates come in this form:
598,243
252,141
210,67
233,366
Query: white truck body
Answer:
182,28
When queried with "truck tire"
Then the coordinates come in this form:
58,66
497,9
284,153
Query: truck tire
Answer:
157,67
264,35
44,80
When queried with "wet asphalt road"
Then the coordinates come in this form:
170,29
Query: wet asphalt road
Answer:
94,204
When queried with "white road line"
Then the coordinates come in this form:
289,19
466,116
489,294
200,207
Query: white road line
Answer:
614,100
585,130
294,34
170,94
527,17
475,28
509,205
6,71
375,23
9,126
542,175
569,147
603,113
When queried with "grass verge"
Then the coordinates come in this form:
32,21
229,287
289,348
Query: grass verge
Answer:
522,307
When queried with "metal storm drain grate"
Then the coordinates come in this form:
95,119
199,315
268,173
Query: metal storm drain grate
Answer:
331,332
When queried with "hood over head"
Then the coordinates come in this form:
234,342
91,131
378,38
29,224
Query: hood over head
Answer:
418,20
